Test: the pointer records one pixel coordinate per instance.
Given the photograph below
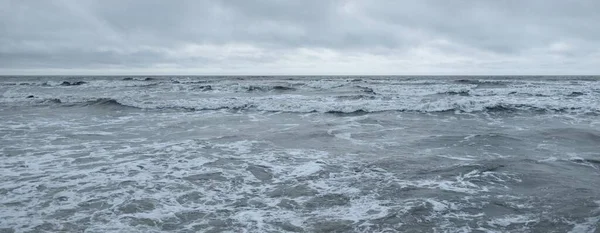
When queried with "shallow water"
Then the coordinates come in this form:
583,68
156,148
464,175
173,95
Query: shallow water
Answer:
300,154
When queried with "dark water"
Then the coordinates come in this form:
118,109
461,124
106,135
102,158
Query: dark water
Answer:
300,154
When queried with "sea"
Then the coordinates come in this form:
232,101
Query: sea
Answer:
300,154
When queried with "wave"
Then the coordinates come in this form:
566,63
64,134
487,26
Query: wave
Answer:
341,105
479,81
529,94
368,90
356,97
575,94
327,95
452,171
268,88
460,93
358,112
573,134
138,79
51,101
99,102
46,84
106,102
192,81
90,83
588,161
74,83
203,88
483,83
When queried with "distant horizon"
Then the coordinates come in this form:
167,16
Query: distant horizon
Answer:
300,75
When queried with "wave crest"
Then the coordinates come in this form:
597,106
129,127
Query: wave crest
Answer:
342,105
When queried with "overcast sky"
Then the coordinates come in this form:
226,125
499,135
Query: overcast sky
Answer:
299,37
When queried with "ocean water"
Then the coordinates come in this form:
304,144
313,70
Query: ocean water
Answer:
300,154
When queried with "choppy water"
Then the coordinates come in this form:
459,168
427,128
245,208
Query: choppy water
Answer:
300,154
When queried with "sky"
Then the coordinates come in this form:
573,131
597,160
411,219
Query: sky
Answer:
299,37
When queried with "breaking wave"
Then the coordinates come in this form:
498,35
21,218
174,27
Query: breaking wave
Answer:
99,102
342,105
268,88
106,102
461,93
340,96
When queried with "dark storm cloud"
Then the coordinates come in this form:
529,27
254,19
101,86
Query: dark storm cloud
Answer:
252,36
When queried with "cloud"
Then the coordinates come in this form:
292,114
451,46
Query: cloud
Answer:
300,37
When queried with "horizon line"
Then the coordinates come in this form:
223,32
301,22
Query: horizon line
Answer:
293,75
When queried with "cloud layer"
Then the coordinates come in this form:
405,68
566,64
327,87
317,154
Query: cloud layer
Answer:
299,37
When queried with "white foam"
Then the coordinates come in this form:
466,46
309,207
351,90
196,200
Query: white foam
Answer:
512,219
362,208
457,158
239,147
588,226
306,169
438,206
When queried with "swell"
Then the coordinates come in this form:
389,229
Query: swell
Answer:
347,105
94,103
138,79
497,109
95,83
329,96
279,88
570,135
483,83
459,93
105,102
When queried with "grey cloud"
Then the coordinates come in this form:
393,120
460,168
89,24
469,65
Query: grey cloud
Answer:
80,58
92,34
499,26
